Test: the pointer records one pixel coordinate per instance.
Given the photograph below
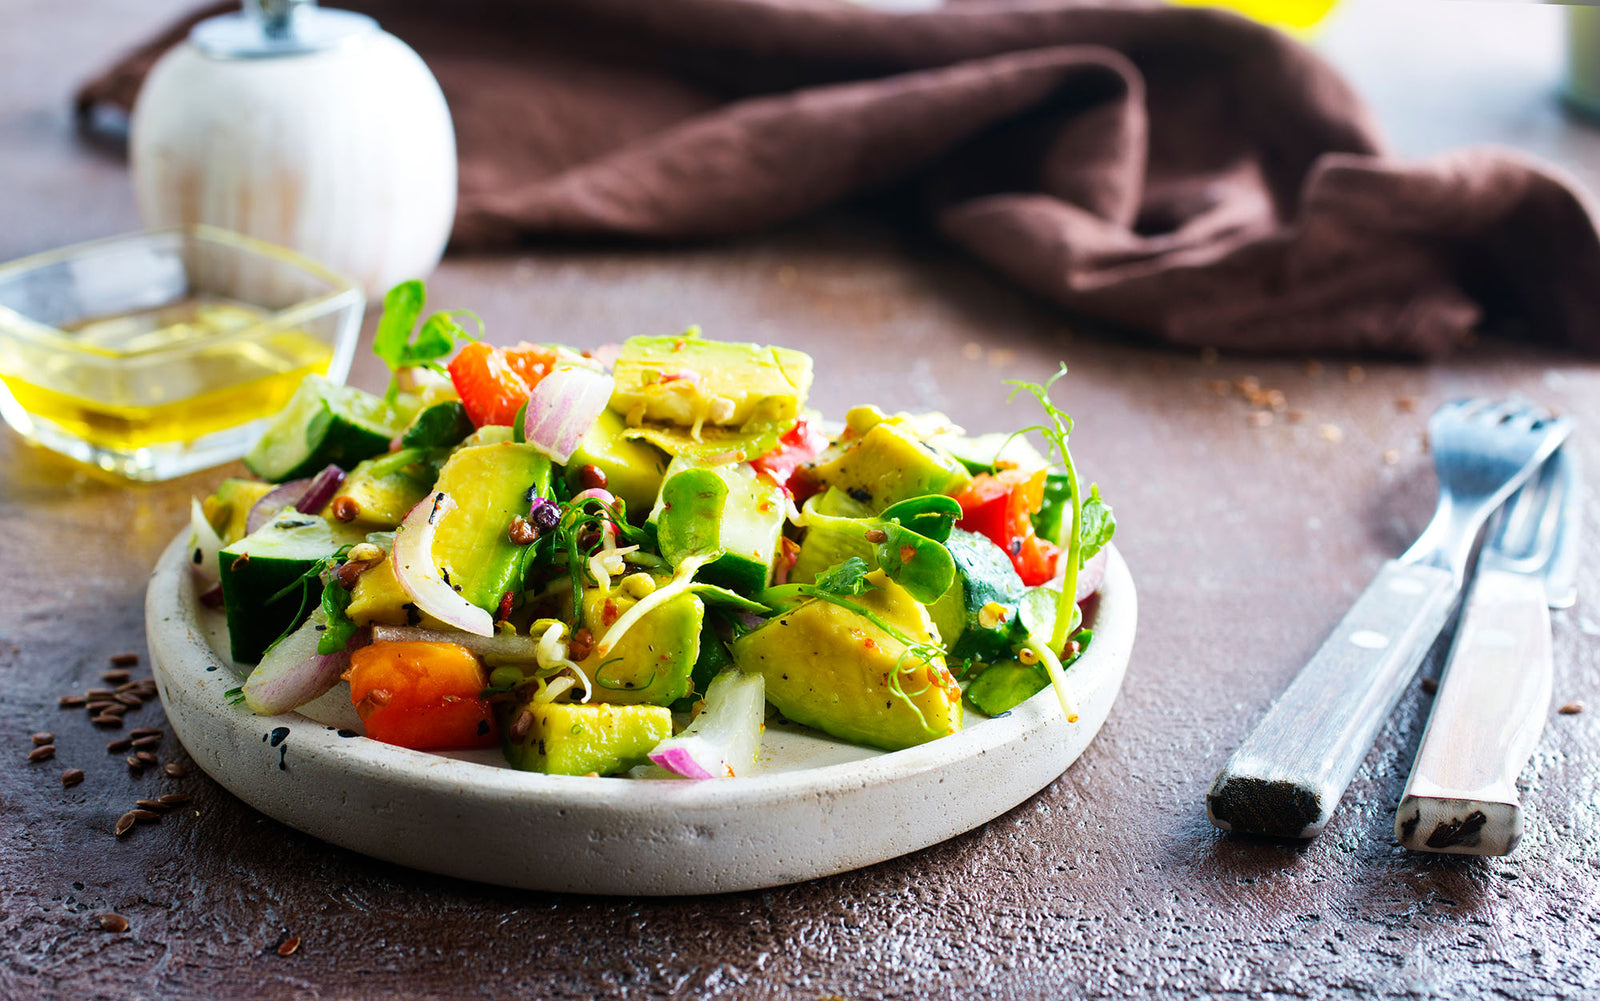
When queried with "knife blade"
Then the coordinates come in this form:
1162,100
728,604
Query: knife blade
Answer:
1489,711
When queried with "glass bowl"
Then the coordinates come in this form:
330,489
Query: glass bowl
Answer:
155,354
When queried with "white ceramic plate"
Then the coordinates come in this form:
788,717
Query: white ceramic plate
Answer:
813,808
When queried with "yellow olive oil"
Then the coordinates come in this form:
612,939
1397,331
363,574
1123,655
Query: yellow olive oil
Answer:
180,395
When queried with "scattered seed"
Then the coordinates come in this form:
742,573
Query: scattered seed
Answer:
174,769
134,764
131,686
289,946
1355,373
146,731
877,535
124,824
116,677
1391,456
94,694
44,737
1258,419
521,532
172,799
143,742
114,923
71,701
1406,404
130,700
1429,685
43,752
148,757
71,777
124,659
151,804
1331,432
144,816
1571,709
119,745
114,722
1247,384
346,508
591,477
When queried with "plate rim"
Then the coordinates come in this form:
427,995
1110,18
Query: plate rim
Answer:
174,630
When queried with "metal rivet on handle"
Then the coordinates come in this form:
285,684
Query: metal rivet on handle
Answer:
1369,640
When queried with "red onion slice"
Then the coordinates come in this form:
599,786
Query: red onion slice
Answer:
1090,576
271,503
320,490
722,741
562,407
419,577
292,673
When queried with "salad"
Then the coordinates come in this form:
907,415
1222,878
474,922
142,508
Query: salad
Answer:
626,561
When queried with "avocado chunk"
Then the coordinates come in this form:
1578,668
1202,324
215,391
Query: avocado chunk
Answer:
830,668
378,599
633,468
256,568
691,381
376,497
746,524
580,739
491,484
654,661
228,510
889,463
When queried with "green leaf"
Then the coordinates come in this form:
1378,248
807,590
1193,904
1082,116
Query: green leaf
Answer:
917,563
711,594
1099,525
402,305
931,515
849,577
691,516
335,599
1004,686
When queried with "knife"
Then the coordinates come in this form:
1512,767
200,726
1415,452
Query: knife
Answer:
1494,694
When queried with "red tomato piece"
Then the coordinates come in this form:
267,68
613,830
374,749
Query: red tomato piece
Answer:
800,444
491,390
999,508
422,695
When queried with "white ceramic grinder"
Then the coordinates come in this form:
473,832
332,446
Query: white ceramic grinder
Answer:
304,127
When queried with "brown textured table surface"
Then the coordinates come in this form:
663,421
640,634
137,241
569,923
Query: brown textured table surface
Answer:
1247,544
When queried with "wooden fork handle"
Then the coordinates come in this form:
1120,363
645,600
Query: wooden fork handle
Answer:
1486,720
1290,772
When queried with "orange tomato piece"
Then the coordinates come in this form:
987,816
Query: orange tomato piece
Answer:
422,695
491,390
531,362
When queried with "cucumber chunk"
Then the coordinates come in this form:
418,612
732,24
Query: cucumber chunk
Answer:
259,566
324,424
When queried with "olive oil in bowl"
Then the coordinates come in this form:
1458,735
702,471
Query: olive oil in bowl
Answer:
206,389
160,353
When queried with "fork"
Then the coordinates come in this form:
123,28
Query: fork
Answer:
1461,797
1291,770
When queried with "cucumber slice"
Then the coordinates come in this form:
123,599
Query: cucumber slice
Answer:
324,424
257,567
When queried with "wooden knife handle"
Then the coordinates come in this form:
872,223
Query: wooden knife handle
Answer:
1486,720
1290,772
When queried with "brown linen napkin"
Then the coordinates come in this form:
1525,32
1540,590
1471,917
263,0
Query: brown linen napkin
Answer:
1177,171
